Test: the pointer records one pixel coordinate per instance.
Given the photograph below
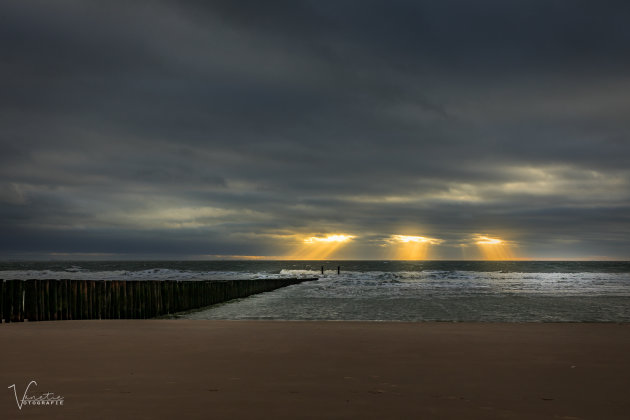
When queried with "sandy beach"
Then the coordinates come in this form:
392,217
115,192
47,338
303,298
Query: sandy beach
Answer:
135,369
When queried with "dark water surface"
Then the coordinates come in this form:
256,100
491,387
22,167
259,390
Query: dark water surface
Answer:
516,291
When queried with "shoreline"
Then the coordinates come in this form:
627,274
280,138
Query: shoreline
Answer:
317,369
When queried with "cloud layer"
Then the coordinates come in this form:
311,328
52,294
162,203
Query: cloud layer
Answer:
184,129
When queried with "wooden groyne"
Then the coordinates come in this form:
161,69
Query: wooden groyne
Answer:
45,300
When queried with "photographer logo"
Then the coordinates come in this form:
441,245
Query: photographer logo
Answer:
47,398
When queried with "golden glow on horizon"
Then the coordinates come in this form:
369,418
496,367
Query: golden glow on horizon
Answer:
493,248
321,247
407,247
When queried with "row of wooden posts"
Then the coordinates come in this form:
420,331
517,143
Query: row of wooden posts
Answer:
338,269
44,300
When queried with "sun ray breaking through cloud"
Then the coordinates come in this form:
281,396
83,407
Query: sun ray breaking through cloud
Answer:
320,247
494,248
405,247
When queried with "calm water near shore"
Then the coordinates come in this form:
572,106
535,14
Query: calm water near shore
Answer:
388,290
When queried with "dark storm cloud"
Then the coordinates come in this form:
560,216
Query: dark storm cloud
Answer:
190,128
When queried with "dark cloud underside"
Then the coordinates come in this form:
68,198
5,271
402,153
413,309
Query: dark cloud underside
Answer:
232,127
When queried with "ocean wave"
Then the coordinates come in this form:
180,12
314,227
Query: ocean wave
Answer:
149,274
372,283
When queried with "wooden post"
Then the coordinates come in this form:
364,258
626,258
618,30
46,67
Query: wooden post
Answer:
143,298
120,298
338,269
19,295
136,308
114,302
7,297
128,300
12,301
94,299
59,307
124,308
58,298
84,298
88,299
322,269
74,313
6,306
98,313
63,287
30,308
1,300
79,299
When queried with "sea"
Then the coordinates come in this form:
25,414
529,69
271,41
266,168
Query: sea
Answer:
447,291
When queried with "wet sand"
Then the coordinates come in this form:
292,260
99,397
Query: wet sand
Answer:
165,369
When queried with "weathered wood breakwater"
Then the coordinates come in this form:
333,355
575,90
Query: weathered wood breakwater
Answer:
45,300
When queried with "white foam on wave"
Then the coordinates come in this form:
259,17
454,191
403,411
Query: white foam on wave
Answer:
76,273
300,273
467,283
151,274
372,283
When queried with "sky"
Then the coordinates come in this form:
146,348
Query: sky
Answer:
315,129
